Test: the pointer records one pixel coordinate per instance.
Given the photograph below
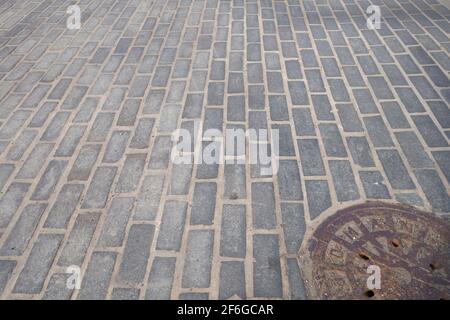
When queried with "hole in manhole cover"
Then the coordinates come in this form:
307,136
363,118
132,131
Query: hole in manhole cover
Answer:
408,249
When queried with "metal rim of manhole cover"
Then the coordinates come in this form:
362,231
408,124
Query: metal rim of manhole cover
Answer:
378,251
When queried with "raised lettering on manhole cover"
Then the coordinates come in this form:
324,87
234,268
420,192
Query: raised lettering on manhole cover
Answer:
378,251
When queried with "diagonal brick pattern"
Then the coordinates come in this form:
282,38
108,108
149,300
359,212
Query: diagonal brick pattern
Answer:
86,118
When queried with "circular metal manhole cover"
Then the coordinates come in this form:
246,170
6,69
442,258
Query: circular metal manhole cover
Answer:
408,249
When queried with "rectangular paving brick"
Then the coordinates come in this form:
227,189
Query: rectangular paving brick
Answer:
115,223
233,231
147,203
23,230
33,275
332,140
413,150
395,169
204,203
172,226
434,189
135,256
289,183
131,173
160,280
293,217
197,265
266,266
263,205
232,280
310,157
99,188
77,243
84,162
97,276
344,180
64,206
49,180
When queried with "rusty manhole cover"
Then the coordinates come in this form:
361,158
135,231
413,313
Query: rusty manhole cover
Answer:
410,248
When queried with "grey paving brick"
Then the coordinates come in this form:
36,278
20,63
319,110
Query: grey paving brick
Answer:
266,266
232,280
161,153
49,180
160,280
33,275
322,107
344,180
127,116
125,294
364,101
101,126
14,123
318,194
215,93
429,131
263,205
113,229
395,115
86,110
296,286
235,187
411,199
360,151
64,206
99,188
57,287
233,231
298,93
303,122
36,96
349,118
293,217
97,276
77,243
131,173
443,160
70,141
147,202
424,87
413,150
197,266
410,100
289,180
441,112
42,114
194,296
172,225
84,162
332,140
23,230
256,97
236,108
5,172
378,132
6,270
373,184
310,157
116,146
434,189
135,256
395,170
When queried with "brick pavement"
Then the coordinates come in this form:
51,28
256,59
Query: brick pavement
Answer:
86,118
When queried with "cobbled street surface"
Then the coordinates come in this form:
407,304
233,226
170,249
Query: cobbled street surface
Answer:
87,115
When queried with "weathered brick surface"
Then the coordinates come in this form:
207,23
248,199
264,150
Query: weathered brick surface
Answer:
86,118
